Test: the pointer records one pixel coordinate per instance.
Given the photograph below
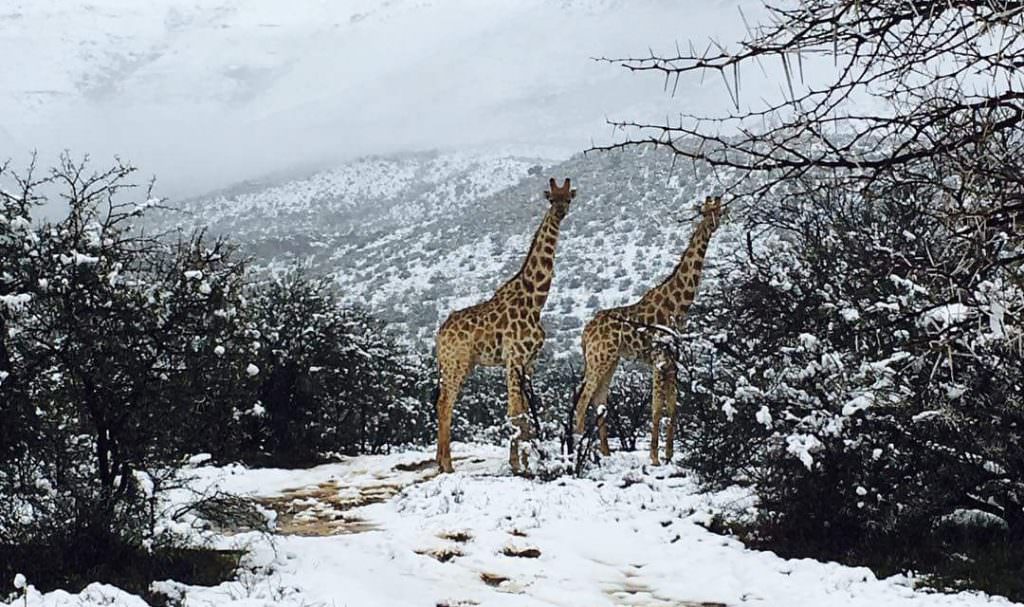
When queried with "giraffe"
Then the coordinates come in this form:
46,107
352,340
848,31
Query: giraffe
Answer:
626,332
503,331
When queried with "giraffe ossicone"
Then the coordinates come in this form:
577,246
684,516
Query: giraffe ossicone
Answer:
504,331
638,332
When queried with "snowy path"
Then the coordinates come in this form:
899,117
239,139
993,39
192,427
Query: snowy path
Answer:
387,531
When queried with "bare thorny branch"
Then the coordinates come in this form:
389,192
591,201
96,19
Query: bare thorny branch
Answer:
940,78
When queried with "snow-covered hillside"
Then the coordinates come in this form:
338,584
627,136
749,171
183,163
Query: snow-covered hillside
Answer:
385,531
208,93
413,237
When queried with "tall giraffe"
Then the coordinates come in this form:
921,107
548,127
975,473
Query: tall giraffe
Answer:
504,331
631,332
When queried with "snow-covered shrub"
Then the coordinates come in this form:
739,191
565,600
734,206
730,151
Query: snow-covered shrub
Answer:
629,407
102,360
860,363
330,379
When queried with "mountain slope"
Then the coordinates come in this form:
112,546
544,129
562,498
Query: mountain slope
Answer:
414,237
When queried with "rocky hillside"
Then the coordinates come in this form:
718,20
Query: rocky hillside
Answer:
414,237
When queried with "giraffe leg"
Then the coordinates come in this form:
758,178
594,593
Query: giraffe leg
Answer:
657,396
452,378
602,435
669,398
598,365
517,414
601,398
584,395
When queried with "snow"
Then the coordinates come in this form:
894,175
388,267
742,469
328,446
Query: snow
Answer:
850,314
252,370
942,317
808,341
996,322
199,458
926,415
628,535
858,403
729,410
94,594
803,446
15,302
79,259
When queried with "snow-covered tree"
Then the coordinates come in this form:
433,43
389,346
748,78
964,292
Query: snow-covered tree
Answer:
104,347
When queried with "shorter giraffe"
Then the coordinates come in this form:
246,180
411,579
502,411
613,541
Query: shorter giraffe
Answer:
503,331
637,332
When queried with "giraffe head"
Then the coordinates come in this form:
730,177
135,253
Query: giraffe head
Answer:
560,197
712,210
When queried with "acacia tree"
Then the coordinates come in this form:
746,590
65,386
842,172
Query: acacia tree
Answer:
863,356
16,241
105,358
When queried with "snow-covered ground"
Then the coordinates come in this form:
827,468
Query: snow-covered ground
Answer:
627,536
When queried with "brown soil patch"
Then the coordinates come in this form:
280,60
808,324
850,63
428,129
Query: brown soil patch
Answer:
321,510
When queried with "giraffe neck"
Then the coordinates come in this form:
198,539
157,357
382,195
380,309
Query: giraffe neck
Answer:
534,277
675,295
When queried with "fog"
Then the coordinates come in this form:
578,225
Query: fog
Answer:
205,94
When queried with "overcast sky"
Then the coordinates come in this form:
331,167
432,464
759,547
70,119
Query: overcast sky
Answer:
204,93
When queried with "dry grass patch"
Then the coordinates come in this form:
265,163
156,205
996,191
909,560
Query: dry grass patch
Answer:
416,466
442,555
524,552
456,536
493,579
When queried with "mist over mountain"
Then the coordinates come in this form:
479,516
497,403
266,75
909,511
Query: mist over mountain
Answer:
206,94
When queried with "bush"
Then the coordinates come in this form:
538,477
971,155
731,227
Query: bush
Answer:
629,407
330,379
863,371
103,342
